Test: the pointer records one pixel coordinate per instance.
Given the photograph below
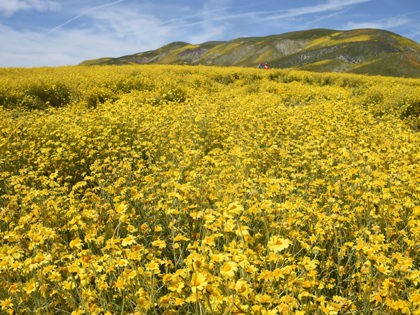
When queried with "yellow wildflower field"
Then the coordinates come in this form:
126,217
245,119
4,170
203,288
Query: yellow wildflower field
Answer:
205,190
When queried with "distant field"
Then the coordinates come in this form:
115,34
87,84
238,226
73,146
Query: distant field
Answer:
208,190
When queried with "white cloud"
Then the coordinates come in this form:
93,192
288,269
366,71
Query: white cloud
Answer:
209,26
139,28
107,33
329,6
28,48
124,27
21,48
119,28
220,19
380,24
10,7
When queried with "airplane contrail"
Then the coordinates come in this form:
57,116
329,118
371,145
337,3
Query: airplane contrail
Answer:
82,14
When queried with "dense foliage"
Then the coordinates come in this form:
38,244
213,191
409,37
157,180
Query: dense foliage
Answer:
178,190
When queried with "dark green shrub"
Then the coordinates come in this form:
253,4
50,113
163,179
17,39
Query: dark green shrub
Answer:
97,96
43,95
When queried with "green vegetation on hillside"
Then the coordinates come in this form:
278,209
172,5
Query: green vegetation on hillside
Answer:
365,51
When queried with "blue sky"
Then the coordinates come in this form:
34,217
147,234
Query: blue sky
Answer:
65,32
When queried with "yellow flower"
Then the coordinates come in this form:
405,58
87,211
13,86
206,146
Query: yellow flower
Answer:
129,240
7,303
176,285
179,237
242,287
121,208
153,266
145,228
228,269
309,264
234,209
401,306
29,287
263,298
198,281
159,243
120,283
269,194
219,257
76,243
415,298
229,225
278,244
14,288
129,274
55,276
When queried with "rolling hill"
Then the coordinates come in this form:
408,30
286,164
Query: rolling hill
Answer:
363,51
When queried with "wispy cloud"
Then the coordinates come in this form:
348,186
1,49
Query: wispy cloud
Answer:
10,7
380,24
224,18
328,6
28,48
93,29
217,21
331,5
131,25
84,13
260,16
22,48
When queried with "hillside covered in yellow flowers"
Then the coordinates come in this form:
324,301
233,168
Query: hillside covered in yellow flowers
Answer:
204,190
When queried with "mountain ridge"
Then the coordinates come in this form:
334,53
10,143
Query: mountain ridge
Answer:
363,51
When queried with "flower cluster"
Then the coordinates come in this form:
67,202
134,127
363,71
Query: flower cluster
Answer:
177,190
